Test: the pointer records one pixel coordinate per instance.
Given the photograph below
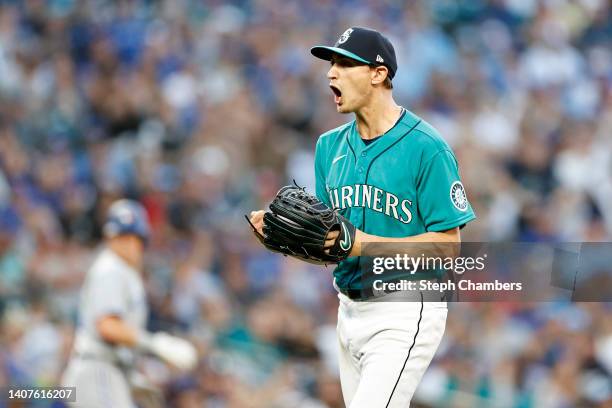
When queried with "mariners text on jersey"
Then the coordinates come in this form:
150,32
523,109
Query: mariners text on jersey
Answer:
361,195
403,184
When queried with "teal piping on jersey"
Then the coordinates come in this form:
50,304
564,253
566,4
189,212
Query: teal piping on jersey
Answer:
363,225
405,116
410,125
335,50
381,153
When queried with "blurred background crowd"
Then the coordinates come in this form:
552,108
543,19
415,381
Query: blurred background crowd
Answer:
203,109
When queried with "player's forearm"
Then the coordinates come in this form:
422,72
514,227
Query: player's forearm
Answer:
362,239
114,330
173,350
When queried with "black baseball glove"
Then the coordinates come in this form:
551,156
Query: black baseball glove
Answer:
298,223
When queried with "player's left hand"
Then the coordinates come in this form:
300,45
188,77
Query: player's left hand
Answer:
330,240
299,224
257,220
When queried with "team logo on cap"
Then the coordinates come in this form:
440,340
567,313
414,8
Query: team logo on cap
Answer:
125,216
345,36
458,197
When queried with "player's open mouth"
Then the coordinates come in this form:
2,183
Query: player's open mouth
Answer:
337,94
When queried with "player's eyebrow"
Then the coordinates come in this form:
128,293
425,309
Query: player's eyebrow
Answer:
345,61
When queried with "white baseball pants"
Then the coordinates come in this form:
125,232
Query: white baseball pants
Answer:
385,348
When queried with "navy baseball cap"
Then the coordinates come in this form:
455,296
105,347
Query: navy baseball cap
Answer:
364,45
127,217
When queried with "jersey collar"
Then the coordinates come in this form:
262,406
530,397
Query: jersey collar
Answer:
406,123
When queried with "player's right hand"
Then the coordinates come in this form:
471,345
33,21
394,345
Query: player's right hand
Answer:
173,350
257,220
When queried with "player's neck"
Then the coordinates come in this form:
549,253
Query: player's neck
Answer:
377,117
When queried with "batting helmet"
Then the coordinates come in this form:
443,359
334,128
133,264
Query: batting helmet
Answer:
127,217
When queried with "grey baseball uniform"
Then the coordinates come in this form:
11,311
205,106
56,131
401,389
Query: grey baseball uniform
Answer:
98,369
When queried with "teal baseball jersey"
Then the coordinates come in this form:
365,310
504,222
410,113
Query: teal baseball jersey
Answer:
402,184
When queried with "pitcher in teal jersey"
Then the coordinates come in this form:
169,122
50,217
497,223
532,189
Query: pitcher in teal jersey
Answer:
396,180
402,183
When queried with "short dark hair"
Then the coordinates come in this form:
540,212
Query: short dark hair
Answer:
387,83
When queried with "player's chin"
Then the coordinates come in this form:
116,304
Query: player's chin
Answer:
343,108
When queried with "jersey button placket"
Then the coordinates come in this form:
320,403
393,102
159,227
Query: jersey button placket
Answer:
361,166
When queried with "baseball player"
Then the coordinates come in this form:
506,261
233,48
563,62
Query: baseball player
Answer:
112,317
394,179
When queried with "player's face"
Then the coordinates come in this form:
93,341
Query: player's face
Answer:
350,82
137,247
130,247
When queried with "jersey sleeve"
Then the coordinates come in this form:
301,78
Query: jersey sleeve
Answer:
442,201
106,294
320,174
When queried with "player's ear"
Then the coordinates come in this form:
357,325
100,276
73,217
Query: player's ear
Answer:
378,74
